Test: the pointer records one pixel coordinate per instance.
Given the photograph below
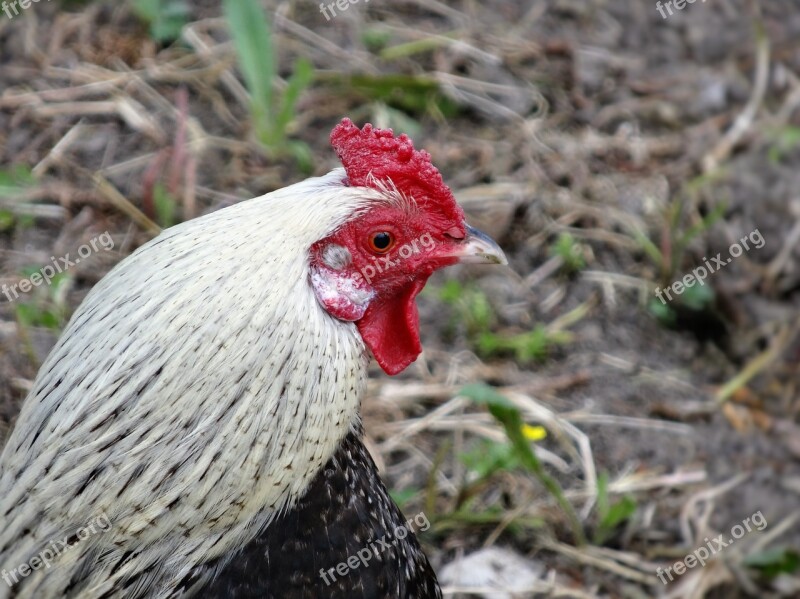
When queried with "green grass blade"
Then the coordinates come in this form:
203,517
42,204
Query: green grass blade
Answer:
509,416
650,248
301,78
704,225
252,37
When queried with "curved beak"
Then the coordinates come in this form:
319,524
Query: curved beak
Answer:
478,248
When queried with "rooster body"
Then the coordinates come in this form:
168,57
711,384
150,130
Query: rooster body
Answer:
204,399
347,510
147,463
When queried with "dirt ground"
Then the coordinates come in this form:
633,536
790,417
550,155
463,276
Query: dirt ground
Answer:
611,150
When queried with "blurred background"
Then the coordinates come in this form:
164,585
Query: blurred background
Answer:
566,432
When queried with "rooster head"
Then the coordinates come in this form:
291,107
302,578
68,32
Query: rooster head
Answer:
370,270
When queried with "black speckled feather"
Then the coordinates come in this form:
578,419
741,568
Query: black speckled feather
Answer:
346,509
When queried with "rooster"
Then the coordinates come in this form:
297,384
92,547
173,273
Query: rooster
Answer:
203,401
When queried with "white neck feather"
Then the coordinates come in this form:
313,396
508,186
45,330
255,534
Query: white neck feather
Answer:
200,385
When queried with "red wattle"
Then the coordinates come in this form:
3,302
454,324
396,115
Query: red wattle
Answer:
391,329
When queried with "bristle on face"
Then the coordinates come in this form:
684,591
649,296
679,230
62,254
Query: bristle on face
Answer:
369,155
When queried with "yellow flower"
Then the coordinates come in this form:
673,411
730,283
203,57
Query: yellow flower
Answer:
534,433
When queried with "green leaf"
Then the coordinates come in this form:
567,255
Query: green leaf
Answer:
7,220
507,414
602,493
251,32
650,248
27,314
567,248
789,137
618,513
15,179
146,10
451,291
375,39
413,94
27,271
31,315
663,312
485,395
404,496
166,18
534,345
396,119
301,152
50,320
57,282
773,562
26,221
165,205
785,140
481,311
301,78
610,516
489,457
697,297
489,344
411,48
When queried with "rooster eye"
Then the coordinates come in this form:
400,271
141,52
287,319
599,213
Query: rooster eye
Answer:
381,242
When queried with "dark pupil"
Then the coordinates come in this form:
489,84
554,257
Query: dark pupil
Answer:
382,241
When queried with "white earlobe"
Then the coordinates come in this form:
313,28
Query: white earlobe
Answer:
344,295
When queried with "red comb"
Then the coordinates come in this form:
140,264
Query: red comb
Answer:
379,153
